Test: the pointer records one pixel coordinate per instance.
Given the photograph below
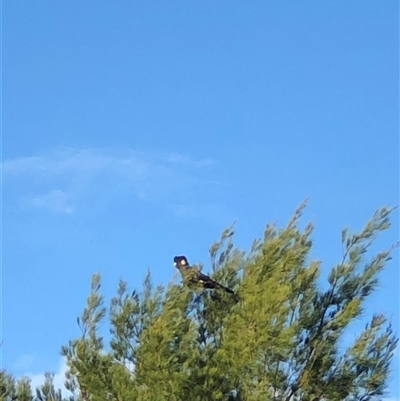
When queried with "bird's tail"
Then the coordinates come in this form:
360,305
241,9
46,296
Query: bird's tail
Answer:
208,282
222,287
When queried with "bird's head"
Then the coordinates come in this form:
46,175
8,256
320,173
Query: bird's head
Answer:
180,261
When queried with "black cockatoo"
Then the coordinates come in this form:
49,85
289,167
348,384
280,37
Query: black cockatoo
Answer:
193,274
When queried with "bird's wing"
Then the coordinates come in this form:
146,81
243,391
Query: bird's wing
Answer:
208,282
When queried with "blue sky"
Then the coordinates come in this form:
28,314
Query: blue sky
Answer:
135,131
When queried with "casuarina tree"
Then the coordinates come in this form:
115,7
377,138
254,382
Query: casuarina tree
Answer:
281,337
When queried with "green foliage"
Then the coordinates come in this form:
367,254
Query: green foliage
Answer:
20,389
11,389
47,391
279,338
7,386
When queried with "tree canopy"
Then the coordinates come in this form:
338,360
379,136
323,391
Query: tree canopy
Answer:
281,338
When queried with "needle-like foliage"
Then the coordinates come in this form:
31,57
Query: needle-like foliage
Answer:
12,389
281,338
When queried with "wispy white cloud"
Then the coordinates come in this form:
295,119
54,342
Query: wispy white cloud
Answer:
24,362
58,180
185,160
55,201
